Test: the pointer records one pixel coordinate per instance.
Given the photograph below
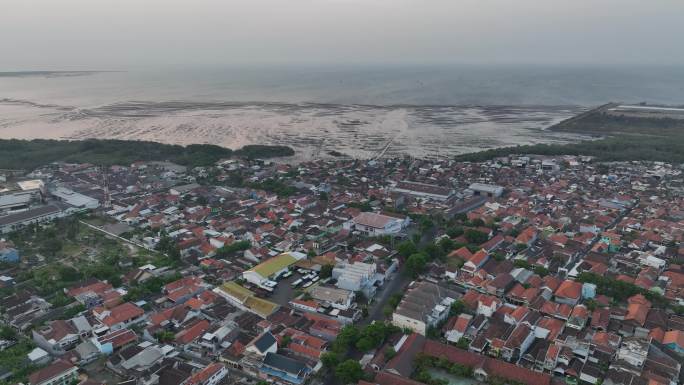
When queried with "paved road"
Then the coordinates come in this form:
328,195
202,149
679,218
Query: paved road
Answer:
397,284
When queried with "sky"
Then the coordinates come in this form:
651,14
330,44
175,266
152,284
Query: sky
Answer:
127,34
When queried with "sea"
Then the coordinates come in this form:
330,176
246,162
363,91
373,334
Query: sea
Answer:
433,111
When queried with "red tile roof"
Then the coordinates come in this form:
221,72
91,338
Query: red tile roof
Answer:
192,332
123,313
492,366
203,375
569,289
55,369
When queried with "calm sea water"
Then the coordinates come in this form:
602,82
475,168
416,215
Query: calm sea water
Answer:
423,111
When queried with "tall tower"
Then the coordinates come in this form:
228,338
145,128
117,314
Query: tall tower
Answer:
105,186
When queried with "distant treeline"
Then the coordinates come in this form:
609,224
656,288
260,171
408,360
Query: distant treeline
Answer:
624,139
29,154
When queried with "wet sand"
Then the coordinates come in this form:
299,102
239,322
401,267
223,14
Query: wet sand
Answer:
313,130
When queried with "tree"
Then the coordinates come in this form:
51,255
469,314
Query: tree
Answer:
407,248
326,271
415,264
390,353
165,336
51,246
476,237
446,244
330,359
349,372
345,339
455,231
7,333
456,308
433,251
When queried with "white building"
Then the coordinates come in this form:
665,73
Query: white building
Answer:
357,276
489,190
373,224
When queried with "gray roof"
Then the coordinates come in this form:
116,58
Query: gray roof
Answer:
284,364
28,215
264,342
419,301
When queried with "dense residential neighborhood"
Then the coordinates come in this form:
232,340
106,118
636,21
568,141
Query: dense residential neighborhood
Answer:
517,270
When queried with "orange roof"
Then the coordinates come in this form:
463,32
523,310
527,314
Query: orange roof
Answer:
122,313
462,253
478,258
657,334
569,289
190,333
194,303
204,374
674,337
462,323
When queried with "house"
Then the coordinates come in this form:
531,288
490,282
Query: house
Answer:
38,357
569,292
338,298
475,262
459,329
373,224
120,317
674,339
634,351
58,373
263,344
487,305
284,368
8,254
579,317
527,237
61,335
210,375
518,342
424,305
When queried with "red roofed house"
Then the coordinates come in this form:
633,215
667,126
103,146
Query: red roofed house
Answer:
190,333
527,237
210,375
637,311
58,373
674,339
460,328
475,262
569,292
120,317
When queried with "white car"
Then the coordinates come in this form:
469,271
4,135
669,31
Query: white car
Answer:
286,275
315,279
301,271
308,284
270,284
297,282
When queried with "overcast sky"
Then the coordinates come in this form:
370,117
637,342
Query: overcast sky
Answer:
125,34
